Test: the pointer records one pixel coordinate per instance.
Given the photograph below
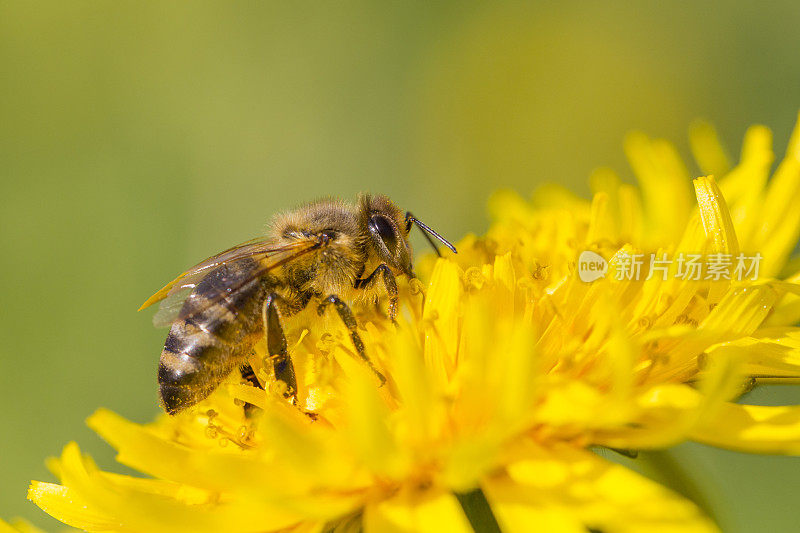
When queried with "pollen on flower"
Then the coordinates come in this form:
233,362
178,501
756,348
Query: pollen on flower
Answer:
504,370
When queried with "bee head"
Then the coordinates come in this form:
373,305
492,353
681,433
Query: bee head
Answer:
387,232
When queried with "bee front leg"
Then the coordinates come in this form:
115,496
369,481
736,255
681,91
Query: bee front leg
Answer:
350,323
277,347
385,274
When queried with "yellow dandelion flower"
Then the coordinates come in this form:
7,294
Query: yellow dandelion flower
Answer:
631,321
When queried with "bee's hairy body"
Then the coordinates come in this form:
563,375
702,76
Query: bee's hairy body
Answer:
222,325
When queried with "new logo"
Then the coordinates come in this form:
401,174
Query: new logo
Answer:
591,266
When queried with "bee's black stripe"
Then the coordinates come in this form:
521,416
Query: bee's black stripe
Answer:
223,328
186,338
210,341
192,364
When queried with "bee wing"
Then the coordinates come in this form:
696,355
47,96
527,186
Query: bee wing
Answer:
261,251
245,249
170,307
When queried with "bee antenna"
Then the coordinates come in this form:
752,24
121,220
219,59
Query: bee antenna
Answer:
428,233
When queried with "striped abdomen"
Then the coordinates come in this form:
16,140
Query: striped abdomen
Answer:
217,333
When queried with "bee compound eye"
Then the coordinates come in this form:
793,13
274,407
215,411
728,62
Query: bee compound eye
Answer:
384,229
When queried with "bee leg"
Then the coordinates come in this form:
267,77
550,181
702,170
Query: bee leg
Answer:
276,345
249,375
349,320
389,282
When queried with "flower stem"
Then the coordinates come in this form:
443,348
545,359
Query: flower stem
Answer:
478,511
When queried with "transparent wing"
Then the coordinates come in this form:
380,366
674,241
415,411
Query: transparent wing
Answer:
233,269
252,248
170,307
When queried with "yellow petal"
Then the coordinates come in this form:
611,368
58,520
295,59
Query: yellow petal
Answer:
417,390
554,196
773,352
144,451
741,311
631,214
367,423
441,313
61,503
716,218
753,428
707,149
522,517
430,513
785,313
508,205
718,228
664,183
743,186
779,226
601,225
668,412
93,497
582,488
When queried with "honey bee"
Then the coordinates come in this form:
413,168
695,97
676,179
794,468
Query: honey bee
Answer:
319,253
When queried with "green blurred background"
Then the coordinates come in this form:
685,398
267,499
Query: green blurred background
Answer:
139,137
